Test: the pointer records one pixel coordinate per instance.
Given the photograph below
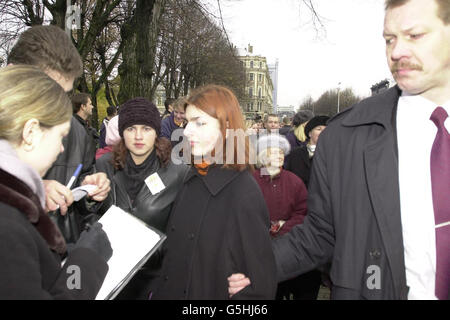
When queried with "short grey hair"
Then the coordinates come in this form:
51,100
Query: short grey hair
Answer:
271,141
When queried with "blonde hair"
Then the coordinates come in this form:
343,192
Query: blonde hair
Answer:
27,93
299,132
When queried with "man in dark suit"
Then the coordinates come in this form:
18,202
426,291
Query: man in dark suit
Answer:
379,208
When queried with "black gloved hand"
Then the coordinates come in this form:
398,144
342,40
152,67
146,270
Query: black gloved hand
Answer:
95,238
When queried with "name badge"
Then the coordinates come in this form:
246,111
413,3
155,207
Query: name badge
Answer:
154,183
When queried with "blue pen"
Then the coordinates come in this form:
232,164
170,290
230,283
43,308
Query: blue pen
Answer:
75,176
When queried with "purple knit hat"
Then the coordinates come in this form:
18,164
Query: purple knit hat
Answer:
139,111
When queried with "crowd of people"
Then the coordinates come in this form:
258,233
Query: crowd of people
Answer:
267,209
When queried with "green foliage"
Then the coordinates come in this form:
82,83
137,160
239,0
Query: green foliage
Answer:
102,104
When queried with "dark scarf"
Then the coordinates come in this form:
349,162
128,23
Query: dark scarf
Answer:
136,174
17,194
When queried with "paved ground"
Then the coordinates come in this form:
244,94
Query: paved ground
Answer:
324,293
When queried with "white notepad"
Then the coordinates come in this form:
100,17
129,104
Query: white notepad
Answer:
133,242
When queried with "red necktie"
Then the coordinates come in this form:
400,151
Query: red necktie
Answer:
440,182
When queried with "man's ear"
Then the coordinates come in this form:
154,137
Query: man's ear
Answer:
30,133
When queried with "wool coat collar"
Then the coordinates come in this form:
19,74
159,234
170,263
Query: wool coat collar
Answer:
376,110
17,194
217,178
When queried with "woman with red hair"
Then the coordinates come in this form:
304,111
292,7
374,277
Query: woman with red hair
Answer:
219,223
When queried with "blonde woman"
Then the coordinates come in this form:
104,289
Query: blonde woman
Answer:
296,136
35,115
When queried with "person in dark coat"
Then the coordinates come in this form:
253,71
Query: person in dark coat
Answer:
35,115
219,223
285,195
286,126
299,161
141,154
50,49
82,112
386,238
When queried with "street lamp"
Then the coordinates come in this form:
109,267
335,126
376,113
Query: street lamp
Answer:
339,92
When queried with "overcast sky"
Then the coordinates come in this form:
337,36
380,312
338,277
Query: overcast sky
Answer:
351,51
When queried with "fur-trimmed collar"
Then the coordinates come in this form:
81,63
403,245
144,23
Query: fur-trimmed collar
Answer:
16,193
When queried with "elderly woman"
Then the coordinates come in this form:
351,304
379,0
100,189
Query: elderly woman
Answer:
285,195
219,223
35,115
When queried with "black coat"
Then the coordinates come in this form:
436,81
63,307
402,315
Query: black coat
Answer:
219,226
78,148
353,207
29,269
299,163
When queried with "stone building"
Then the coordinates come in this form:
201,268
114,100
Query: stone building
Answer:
258,87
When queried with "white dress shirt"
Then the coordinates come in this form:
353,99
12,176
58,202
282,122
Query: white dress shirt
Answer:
416,134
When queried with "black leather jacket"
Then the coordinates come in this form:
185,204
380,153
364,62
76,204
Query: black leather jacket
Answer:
154,210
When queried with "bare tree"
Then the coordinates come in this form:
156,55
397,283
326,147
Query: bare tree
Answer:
139,38
327,103
177,43
307,104
194,50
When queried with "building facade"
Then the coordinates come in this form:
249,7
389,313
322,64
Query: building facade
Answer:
160,98
285,111
258,87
